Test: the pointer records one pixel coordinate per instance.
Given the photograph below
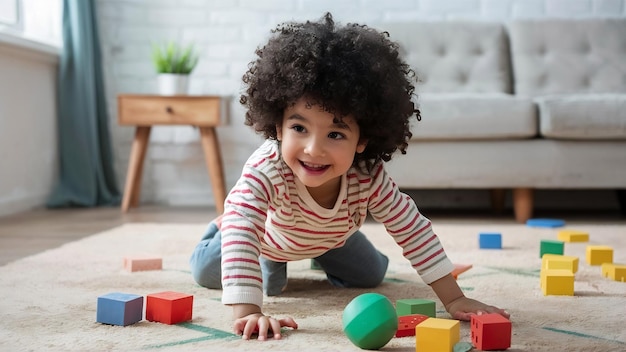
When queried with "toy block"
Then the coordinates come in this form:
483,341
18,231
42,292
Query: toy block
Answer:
416,306
557,283
572,236
551,223
490,332
460,269
557,261
613,271
490,240
435,334
598,255
169,307
142,263
407,324
118,308
550,247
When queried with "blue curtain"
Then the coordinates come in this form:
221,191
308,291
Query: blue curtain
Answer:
87,177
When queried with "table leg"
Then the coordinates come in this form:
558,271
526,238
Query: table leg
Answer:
213,158
135,168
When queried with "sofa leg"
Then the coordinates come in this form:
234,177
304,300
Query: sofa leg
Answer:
497,200
523,204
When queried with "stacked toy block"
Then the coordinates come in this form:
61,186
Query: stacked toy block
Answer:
416,306
557,282
490,332
559,262
407,324
435,335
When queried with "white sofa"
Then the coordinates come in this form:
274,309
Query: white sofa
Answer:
524,105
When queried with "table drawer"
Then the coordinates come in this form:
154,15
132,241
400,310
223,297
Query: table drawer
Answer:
150,110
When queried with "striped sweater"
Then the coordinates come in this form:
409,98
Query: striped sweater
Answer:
270,213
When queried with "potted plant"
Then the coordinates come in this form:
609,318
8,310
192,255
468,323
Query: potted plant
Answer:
173,64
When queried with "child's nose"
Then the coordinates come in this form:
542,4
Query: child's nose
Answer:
314,147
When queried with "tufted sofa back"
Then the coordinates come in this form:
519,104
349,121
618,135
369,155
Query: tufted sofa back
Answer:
562,56
455,57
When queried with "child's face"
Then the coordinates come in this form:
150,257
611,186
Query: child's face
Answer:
318,150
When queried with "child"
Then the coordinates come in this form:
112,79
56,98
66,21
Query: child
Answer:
334,103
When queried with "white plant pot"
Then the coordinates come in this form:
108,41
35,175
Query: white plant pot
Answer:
173,84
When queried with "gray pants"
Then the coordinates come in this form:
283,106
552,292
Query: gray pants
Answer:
356,264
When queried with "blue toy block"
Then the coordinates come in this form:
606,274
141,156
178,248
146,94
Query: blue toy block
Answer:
119,309
545,223
490,240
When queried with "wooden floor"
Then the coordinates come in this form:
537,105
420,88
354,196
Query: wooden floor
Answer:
34,231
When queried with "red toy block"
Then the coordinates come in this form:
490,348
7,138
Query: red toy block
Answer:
407,324
490,332
142,263
169,307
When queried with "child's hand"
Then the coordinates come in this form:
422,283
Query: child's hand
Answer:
463,308
264,326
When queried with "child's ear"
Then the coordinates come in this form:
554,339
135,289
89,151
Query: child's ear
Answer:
279,132
360,148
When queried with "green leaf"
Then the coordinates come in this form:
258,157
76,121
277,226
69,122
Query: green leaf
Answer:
172,58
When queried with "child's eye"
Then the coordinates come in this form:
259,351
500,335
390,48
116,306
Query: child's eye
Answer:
335,135
298,128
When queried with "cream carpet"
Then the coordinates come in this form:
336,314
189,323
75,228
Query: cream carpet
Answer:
48,301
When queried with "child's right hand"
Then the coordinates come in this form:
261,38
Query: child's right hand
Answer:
263,325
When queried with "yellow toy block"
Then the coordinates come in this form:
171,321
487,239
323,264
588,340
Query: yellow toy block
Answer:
616,272
437,335
555,261
557,282
573,236
598,255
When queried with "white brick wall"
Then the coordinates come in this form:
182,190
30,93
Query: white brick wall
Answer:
227,32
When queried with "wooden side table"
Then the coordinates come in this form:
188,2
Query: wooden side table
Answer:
145,111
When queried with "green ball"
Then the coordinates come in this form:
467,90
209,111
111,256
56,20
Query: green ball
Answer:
370,321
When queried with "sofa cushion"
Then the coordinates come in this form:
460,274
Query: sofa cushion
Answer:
583,116
453,57
556,56
475,116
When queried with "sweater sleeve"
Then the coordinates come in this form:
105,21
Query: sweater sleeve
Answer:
409,228
242,228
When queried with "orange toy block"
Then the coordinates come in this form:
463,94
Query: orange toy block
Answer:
460,269
142,263
613,271
490,332
169,307
407,324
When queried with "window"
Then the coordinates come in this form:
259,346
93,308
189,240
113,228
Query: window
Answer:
10,14
38,21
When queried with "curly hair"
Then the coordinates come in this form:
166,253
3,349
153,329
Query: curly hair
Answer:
352,69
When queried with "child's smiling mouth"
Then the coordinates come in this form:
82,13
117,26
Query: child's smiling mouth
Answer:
314,167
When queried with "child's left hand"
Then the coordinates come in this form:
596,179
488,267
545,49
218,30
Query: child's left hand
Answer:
463,308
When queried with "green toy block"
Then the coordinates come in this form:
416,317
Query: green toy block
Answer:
416,306
551,247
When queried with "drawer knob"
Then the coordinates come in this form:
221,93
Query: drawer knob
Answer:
169,110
